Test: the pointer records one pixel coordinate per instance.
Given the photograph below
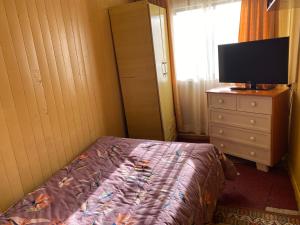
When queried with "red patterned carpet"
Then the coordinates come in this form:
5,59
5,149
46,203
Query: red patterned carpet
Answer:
258,190
243,216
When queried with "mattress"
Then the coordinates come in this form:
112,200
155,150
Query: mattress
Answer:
127,181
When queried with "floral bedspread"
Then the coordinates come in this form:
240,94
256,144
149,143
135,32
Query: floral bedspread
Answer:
120,181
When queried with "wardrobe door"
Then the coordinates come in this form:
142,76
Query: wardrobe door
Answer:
131,28
158,49
161,50
131,31
166,97
141,107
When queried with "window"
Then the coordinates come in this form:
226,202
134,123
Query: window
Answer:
197,34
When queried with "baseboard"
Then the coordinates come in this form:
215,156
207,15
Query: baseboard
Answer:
295,186
193,138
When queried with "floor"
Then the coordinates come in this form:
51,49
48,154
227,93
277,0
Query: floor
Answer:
252,188
256,189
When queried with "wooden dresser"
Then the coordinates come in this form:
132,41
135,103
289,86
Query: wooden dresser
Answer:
251,124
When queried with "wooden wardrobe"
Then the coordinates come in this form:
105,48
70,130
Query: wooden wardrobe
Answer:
141,46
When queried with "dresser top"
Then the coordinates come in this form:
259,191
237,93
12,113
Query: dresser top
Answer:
271,93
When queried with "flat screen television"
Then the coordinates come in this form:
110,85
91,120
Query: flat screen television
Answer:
255,62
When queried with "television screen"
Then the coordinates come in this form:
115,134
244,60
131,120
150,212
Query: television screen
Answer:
256,62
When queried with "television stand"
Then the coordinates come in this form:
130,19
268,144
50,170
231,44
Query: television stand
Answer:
239,88
253,87
250,124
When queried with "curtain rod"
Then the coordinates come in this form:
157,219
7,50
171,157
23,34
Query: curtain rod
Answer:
190,5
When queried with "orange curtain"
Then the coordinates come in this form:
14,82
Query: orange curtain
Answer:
256,22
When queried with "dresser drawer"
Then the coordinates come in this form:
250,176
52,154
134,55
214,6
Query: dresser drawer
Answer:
251,121
244,151
258,139
222,101
254,104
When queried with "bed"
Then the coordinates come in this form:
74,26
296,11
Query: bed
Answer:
120,181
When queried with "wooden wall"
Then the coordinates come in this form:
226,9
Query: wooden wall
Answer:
294,154
58,87
289,25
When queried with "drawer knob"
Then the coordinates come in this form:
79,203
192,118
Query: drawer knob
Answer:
220,117
252,138
252,121
221,100
221,131
252,153
253,104
222,145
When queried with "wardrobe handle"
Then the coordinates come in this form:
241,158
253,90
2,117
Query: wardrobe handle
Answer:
164,68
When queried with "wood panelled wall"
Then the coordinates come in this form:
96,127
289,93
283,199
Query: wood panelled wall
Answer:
59,89
289,25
